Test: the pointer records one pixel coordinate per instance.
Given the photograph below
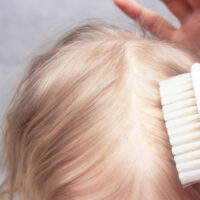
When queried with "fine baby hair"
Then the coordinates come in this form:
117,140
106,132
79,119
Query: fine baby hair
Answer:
86,122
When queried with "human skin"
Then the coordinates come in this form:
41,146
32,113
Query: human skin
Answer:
186,11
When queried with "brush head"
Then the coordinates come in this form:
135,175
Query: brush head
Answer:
180,99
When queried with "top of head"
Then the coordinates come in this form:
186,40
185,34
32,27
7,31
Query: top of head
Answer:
90,117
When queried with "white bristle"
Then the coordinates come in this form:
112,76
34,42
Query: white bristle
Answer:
179,105
189,165
186,128
191,146
181,121
181,113
178,97
185,111
180,79
170,90
190,177
184,138
187,156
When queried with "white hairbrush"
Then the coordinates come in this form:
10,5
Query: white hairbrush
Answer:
180,98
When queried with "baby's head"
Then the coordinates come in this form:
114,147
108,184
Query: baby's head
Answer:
86,120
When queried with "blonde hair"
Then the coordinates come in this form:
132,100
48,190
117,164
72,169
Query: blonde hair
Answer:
86,122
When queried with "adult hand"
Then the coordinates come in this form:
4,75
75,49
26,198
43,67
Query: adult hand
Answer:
187,12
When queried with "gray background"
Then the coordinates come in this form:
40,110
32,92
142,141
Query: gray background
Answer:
29,26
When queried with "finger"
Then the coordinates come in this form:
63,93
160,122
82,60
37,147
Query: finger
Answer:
180,8
195,4
147,18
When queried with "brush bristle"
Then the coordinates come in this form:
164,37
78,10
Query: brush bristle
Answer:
183,126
